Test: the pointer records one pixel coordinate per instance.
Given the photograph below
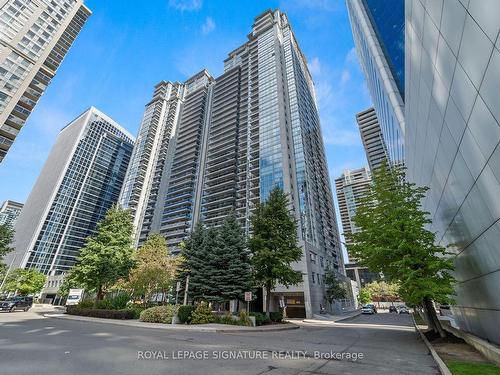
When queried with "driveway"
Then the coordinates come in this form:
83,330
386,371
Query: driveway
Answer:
378,344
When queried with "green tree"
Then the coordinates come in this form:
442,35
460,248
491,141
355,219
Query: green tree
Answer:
230,268
334,289
383,291
25,281
6,237
195,262
69,282
107,256
273,244
393,239
155,269
364,296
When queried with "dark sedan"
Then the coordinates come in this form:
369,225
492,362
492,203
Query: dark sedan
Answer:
16,303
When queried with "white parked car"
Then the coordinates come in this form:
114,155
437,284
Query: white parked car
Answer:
367,309
74,297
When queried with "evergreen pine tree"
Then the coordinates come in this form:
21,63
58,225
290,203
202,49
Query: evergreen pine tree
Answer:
195,262
231,261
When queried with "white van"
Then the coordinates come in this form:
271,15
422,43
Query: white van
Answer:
74,297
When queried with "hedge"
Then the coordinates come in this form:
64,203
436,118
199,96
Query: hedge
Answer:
158,314
100,313
260,318
185,313
276,316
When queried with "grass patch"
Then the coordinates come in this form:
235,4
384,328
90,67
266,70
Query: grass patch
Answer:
469,368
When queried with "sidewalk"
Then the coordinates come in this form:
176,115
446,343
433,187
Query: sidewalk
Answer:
213,327
328,319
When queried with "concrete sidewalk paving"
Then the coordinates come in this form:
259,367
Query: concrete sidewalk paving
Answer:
212,327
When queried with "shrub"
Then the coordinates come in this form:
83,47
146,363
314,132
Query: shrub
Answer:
244,319
100,313
158,314
185,313
276,316
137,310
104,304
86,304
203,314
227,319
260,318
119,301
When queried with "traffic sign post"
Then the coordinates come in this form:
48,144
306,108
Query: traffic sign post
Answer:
248,298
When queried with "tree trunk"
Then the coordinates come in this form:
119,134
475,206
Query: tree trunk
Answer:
432,318
268,300
100,294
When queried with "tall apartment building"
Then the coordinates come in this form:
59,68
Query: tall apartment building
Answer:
34,38
79,182
9,213
148,163
371,136
378,32
231,140
351,187
453,143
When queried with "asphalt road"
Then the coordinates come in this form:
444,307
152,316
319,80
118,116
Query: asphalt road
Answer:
383,344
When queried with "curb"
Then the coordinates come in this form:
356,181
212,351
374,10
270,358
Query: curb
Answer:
168,327
333,321
443,369
349,317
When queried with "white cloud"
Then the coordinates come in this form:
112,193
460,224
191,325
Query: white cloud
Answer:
185,5
345,77
333,135
314,66
208,26
337,89
351,56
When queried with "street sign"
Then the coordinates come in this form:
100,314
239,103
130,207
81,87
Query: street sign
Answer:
248,296
178,287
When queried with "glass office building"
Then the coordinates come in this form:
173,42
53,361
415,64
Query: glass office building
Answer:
237,136
34,38
80,180
378,32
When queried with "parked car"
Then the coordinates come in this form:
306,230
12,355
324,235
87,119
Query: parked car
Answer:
74,297
367,309
372,306
404,310
393,309
16,303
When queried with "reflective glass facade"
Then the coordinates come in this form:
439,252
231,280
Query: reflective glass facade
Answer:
379,72
271,159
388,21
86,187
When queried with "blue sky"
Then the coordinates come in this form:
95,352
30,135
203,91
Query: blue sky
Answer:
127,46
